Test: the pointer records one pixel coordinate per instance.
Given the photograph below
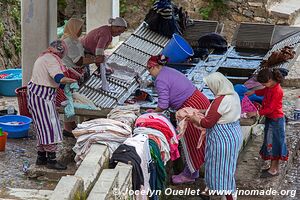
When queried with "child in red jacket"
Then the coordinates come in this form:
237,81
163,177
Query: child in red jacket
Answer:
274,147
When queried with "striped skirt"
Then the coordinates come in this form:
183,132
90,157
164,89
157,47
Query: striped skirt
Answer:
194,157
41,104
223,142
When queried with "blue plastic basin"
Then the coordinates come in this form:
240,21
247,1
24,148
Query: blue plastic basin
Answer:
9,85
15,130
178,50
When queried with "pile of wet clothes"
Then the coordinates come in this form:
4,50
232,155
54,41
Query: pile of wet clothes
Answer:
166,18
153,143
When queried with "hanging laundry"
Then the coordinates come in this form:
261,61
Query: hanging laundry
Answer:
127,154
141,144
182,123
161,123
160,169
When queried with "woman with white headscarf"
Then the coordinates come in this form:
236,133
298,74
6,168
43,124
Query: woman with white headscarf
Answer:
223,136
74,60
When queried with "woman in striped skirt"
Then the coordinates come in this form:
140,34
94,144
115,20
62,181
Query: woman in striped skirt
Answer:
223,136
47,76
176,91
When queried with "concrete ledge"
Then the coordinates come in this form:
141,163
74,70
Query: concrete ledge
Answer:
246,132
125,178
92,165
105,186
68,188
29,194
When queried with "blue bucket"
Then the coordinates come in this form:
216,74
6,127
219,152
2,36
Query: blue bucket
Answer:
9,84
15,130
178,50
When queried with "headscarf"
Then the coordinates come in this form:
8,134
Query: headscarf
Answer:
58,49
72,28
219,84
157,60
118,21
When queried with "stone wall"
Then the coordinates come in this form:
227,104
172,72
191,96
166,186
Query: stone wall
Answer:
10,34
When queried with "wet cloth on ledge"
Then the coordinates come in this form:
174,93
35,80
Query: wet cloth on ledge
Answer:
161,123
164,145
182,123
127,154
126,114
103,131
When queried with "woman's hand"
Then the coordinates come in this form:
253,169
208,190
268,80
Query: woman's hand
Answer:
99,59
194,119
251,114
66,80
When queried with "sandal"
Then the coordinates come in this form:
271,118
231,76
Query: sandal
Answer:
267,174
264,170
68,134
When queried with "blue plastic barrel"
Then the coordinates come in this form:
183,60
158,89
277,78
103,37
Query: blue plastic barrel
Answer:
178,49
9,84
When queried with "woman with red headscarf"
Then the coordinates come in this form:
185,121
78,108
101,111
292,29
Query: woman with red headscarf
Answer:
176,91
47,76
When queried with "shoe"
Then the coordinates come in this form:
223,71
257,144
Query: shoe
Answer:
68,134
264,170
41,158
52,162
267,174
181,179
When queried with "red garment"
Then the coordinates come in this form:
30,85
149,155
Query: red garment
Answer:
161,126
212,116
272,102
194,156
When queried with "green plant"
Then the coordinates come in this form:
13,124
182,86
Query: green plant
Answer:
16,41
218,5
2,29
61,4
123,7
15,12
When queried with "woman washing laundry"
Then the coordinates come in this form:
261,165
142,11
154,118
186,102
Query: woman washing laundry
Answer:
223,135
74,60
176,91
47,76
97,40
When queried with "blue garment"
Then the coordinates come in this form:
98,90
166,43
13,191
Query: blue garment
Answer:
223,142
241,90
69,109
274,146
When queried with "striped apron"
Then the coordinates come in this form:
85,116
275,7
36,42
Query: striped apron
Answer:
223,142
41,104
194,157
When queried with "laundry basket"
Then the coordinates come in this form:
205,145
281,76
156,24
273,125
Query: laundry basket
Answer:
22,101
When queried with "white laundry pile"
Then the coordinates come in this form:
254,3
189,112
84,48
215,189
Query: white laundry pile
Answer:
164,145
126,114
104,131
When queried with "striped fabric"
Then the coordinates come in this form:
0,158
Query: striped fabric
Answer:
194,157
42,107
223,142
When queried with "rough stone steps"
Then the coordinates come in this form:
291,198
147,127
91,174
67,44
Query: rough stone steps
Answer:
288,9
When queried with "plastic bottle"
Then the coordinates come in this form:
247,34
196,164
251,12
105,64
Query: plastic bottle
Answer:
1,132
10,110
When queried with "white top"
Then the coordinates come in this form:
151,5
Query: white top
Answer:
75,52
230,109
